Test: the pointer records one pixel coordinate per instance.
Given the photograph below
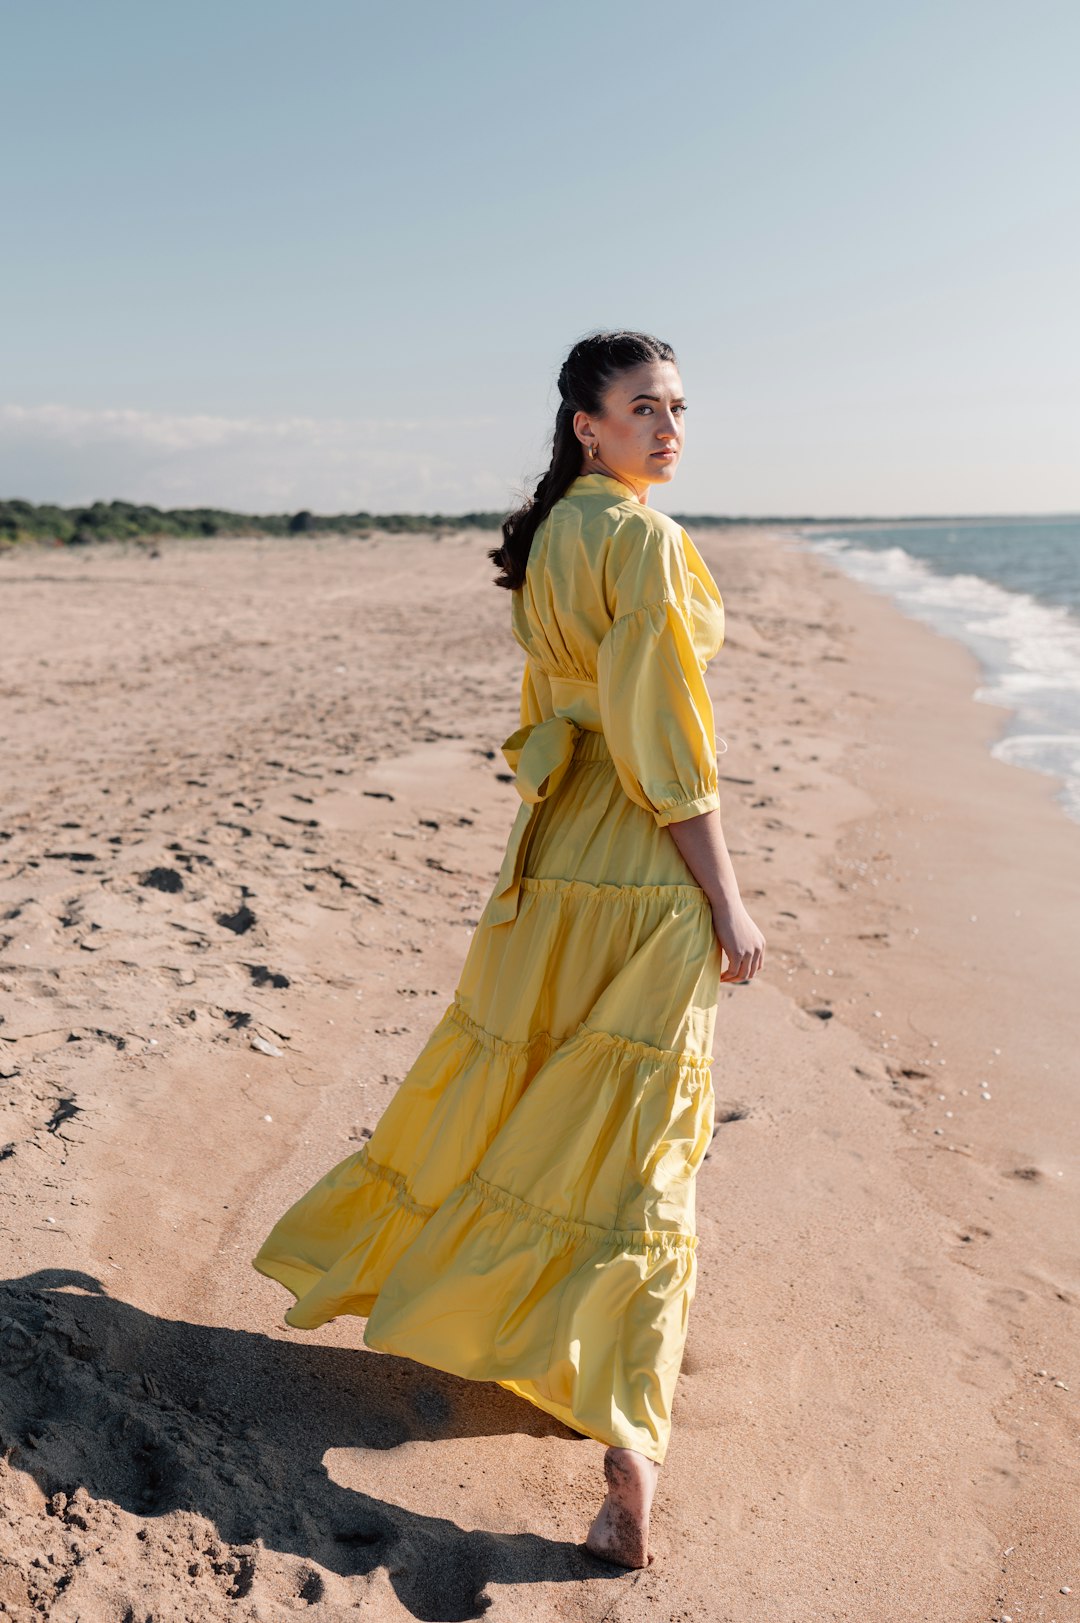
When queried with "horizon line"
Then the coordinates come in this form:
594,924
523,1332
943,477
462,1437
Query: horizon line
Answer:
499,514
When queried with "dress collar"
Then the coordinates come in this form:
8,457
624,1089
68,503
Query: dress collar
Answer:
586,482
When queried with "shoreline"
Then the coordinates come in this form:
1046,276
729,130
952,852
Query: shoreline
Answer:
1026,642
859,1429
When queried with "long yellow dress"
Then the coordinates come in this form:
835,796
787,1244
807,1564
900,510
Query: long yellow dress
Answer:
524,1210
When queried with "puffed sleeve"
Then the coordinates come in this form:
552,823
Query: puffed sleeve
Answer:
654,706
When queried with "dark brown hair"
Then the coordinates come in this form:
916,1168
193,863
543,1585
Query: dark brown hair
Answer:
583,379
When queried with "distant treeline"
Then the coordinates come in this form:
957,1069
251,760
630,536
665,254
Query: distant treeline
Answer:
129,521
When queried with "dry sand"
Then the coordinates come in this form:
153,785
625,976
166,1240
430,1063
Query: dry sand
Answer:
298,743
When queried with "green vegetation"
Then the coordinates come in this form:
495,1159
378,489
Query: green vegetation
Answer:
128,521
23,522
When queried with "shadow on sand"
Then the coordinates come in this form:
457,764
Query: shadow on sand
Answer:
157,1416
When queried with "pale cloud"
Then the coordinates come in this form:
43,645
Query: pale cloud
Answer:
73,454
77,426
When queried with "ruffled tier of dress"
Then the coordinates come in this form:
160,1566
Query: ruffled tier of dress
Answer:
524,1212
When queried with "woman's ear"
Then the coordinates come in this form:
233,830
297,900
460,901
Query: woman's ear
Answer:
583,428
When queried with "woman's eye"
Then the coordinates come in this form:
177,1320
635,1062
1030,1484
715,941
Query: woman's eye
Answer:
639,409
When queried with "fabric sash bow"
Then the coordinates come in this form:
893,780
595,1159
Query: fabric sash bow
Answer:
538,755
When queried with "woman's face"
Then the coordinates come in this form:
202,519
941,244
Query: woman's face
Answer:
640,431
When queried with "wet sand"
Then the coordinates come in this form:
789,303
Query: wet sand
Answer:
253,804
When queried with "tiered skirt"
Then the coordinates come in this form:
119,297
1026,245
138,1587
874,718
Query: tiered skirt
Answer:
524,1210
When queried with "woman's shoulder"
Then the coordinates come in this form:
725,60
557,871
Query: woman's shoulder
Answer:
655,561
601,546
650,556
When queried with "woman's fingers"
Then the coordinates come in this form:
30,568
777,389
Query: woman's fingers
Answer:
742,964
745,967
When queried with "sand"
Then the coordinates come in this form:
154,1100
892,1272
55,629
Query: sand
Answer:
253,794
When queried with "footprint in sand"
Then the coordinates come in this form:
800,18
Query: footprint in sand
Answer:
165,879
820,1488
262,976
820,1492
239,922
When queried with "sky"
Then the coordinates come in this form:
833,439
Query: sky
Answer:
270,256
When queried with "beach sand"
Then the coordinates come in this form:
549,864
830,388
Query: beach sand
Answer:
253,792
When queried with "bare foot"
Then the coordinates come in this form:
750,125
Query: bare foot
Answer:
620,1532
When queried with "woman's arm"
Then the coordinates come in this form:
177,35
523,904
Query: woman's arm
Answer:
701,842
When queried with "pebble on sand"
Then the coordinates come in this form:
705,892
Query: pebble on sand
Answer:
267,1048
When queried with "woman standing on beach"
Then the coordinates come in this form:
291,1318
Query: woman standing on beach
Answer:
524,1210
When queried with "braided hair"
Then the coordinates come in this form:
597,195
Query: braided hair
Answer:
583,379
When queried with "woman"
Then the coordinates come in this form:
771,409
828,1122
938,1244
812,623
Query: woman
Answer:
524,1210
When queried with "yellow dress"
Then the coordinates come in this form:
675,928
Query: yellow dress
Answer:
524,1210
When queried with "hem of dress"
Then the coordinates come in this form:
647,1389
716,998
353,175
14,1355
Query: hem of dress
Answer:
284,1273
280,1272
299,1277
649,1447
557,1411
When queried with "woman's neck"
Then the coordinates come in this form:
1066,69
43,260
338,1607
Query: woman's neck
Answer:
596,465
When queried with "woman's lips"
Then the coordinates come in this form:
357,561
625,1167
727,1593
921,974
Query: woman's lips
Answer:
668,456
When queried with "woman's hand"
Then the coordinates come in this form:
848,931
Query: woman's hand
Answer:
741,940
704,850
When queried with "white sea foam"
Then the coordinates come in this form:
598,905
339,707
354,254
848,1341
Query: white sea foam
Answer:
1029,651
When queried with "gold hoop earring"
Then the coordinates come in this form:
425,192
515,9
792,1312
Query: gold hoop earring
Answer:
594,452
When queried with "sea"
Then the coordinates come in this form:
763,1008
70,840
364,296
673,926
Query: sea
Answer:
1008,589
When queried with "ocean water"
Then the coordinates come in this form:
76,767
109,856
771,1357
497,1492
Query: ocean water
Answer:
1009,589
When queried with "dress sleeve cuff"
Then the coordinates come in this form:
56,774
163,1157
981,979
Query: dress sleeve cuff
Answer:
680,810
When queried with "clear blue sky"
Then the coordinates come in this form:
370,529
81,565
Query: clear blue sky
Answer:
328,254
